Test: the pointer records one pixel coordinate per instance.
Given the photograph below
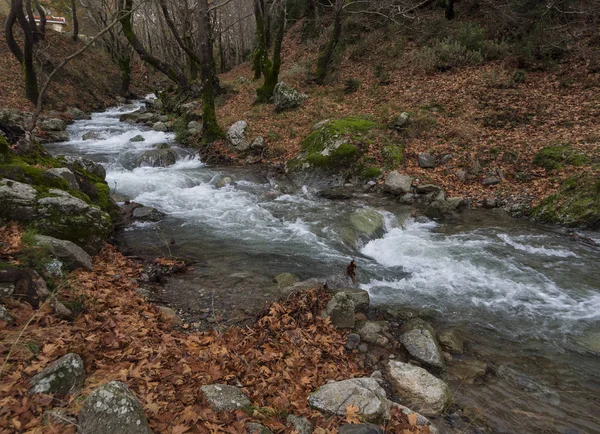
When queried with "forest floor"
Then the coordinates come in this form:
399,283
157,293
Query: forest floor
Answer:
479,115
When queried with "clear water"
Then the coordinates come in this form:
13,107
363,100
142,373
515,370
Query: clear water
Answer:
527,295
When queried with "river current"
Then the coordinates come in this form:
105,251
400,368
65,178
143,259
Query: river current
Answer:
527,296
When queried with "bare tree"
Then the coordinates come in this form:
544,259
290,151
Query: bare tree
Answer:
269,68
327,53
75,20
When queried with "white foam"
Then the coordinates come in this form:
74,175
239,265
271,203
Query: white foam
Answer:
535,250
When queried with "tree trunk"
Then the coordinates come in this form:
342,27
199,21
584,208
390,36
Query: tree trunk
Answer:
210,127
125,67
13,46
126,24
449,9
32,24
327,53
271,71
25,56
42,26
75,20
261,55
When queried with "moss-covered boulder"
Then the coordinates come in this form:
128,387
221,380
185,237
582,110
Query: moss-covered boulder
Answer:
333,152
556,157
577,203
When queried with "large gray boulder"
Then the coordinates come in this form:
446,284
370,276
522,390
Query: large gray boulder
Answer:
80,163
366,393
52,124
375,333
66,174
360,297
77,114
157,158
286,98
341,311
364,225
112,409
223,397
236,135
160,126
426,161
69,253
66,375
397,184
419,339
418,389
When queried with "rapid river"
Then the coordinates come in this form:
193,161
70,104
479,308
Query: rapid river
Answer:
527,296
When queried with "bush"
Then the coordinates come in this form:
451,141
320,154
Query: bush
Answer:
351,85
444,55
181,130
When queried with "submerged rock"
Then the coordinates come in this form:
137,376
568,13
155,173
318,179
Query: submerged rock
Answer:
418,389
112,409
535,389
157,158
137,138
225,397
66,375
451,341
285,280
419,339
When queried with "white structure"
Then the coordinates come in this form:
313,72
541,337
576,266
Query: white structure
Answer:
55,23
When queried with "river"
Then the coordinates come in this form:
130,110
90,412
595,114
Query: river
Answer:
526,295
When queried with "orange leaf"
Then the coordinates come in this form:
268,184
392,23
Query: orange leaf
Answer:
412,419
352,415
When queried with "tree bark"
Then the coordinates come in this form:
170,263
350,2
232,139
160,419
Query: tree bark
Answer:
261,55
271,69
125,7
449,9
125,67
327,53
75,20
210,127
24,56
13,46
32,24
42,26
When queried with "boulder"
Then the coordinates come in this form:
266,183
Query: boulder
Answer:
224,397
427,188
236,135
147,214
352,341
194,127
157,158
341,311
451,341
112,409
360,428
285,280
418,389
137,138
258,144
130,117
401,121
397,184
159,126
91,135
364,225
419,339
426,161
223,181
52,124
80,163
5,315
257,428
66,375
69,253
23,284
77,114
360,297
338,281
66,174
299,424
286,98
375,333
491,180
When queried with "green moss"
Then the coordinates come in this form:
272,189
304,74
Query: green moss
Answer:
576,204
393,156
351,127
371,172
5,154
556,157
103,199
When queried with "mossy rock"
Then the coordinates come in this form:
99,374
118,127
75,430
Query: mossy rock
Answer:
556,157
393,156
337,147
577,203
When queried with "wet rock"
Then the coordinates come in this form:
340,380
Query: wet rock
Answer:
397,184
441,208
157,158
159,126
130,117
589,341
339,281
5,315
223,181
169,316
285,280
77,114
163,118
418,389
137,138
224,397
286,98
375,333
236,135
91,135
66,375
426,161
361,428
69,253
491,180
112,409
341,311
52,124
364,225
401,121
147,214
534,389
451,341
360,297
419,339
352,341
468,370
257,428
66,174
299,424
427,188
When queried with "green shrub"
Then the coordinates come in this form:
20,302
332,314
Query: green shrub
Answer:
182,133
443,56
351,85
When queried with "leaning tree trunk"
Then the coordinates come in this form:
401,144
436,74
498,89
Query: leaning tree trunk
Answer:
449,9
271,69
327,53
75,20
32,24
125,7
210,127
125,67
42,26
261,54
